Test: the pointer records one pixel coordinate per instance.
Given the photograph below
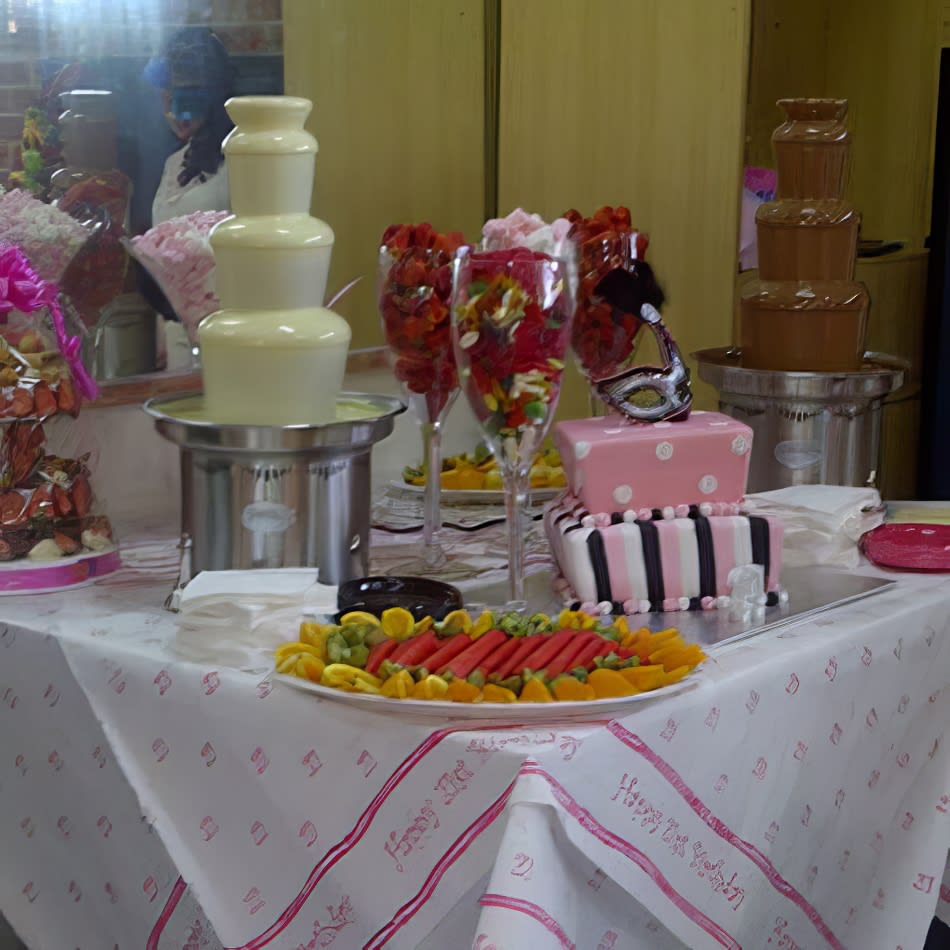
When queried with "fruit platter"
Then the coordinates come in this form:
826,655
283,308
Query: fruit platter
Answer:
474,476
485,666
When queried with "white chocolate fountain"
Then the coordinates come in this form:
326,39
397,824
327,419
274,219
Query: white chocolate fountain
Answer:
272,355
275,459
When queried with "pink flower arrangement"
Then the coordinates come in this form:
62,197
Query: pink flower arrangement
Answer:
178,255
49,238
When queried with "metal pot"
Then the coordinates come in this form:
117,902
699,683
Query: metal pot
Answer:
125,339
275,496
809,428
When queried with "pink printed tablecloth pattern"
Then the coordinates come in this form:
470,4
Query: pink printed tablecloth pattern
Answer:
797,796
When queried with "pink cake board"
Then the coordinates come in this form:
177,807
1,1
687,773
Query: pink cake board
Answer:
46,577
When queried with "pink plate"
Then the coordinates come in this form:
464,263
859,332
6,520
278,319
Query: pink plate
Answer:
909,547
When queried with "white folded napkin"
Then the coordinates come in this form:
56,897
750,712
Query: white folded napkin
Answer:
237,618
823,523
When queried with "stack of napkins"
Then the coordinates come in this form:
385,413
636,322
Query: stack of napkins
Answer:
237,618
823,523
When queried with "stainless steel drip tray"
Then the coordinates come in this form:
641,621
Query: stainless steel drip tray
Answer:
811,591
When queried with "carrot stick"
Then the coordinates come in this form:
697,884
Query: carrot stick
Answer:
469,658
498,656
379,653
413,651
526,645
600,647
450,649
565,658
538,659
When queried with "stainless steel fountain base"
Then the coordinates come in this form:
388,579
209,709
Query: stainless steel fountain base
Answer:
275,496
809,428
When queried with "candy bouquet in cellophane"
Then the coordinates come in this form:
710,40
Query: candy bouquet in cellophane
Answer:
52,535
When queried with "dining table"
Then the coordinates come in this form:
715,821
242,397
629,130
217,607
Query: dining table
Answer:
793,792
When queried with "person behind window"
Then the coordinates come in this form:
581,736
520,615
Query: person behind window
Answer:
196,79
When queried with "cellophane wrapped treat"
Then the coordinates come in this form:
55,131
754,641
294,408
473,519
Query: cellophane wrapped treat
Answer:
609,248
46,501
415,286
96,275
48,236
178,256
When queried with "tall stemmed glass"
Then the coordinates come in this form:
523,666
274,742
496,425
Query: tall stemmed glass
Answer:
609,251
415,282
511,326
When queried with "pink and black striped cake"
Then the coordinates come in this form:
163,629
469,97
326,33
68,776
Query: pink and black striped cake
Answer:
622,538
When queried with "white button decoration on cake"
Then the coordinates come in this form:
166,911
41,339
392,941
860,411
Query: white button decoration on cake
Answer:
623,494
740,445
581,450
708,484
664,451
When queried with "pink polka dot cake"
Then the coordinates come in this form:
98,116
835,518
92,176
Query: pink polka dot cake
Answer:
651,519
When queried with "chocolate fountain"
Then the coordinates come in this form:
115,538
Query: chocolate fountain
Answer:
802,380
275,460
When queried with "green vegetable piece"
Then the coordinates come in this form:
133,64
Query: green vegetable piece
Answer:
359,654
386,669
476,679
338,649
512,682
535,410
355,633
579,673
608,662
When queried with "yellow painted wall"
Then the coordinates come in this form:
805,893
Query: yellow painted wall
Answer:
635,102
398,93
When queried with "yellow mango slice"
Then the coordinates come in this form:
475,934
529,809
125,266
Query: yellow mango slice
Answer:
398,623
498,694
534,691
644,678
399,685
460,691
567,689
432,687
609,684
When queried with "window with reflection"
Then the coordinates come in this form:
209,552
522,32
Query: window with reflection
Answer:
112,118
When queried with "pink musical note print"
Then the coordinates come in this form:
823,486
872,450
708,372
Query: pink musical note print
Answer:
839,797
866,657
30,891
752,702
761,767
160,749
712,718
7,637
772,833
308,833
65,827
933,749
792,686
312,762
211,682
117,681
845,858
260,760
264,689
878,901
608,941
806,815
721,783
812,875
903,760
208,827
669,730
258,833
21,766
522,867
253,900
924,883
368,763
28,827
74,891
873,779
908,821
569,746
597,880
836,733
105,826
831,669
870,720
899,648
10,698
877,842
150,889
99,757
903,704
111,894
800,750
163,681
51,695
208,754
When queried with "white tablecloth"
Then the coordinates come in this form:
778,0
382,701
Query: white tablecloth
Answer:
796,796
